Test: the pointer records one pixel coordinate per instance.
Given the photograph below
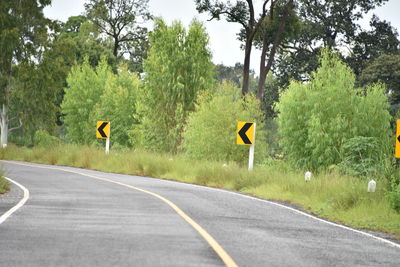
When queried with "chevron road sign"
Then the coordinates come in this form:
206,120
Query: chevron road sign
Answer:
246,135
103,131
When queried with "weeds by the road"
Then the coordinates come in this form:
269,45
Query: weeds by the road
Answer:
4,184
329,195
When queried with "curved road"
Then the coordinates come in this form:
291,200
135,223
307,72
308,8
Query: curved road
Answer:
76,220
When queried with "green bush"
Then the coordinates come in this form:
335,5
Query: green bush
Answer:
177,68
4,185
394,197
117,105
44,139
361,156
211,130
317,118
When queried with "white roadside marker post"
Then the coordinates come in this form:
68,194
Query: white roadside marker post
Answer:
307,176
371,186
251,151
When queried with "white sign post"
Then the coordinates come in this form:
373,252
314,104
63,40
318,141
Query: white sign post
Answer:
251,151
108,145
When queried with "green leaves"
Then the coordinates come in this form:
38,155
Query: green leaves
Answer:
318,117
177,68
211,130
100,95
117,104
85,87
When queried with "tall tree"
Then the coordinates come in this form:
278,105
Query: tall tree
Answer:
22,36
121,20
242,12
117,104
85,86
325,23
177,68
384,69
370,44
274,29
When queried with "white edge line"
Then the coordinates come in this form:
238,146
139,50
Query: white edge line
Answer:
20,203
304,214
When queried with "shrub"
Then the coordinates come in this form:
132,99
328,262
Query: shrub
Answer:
211,130
4,184
317,118
394,198
361,156
44,139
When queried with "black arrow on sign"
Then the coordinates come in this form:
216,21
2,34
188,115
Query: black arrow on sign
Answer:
242,133
100,129
398,138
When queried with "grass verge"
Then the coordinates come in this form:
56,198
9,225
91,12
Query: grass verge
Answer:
328,195
4,184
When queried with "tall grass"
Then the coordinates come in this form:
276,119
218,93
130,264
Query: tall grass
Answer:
4,184
330,195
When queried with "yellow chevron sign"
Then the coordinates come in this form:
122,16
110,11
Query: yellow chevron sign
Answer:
103,129
245,133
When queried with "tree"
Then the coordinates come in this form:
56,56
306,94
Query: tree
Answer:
177,68
82,38
23,34
85,87
324,23
318,118
230,74
120,20
385,69
117,104
368,45
234,75
241,12
216,119
281,23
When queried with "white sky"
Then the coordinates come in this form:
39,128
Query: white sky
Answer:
223,43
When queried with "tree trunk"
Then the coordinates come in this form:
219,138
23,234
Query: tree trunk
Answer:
264,69
4,126
246,65
116,47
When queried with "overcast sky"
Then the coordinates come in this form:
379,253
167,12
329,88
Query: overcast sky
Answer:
223,43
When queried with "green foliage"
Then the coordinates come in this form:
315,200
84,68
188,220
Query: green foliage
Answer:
211,130
177,68
330,23
4,185
117,104
80,37
44,139
370,44
361,156
317,118
85,87
120,21
394,197
23,35
385,69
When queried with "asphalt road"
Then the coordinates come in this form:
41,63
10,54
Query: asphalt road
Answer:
75,220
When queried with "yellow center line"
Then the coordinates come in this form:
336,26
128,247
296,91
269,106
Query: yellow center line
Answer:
210,240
